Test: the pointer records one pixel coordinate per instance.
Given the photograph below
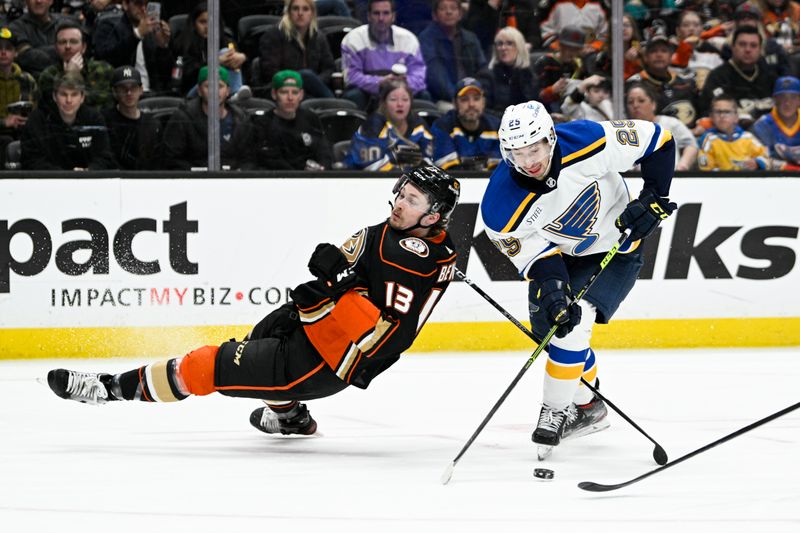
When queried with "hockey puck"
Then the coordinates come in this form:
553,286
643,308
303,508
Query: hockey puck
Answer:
543,474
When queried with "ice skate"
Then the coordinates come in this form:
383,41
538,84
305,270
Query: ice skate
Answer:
588,418
297,421
82,387
549,430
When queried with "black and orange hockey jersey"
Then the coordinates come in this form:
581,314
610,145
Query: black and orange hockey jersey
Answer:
401,278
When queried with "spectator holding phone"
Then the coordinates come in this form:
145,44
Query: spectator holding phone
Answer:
17,92
139,38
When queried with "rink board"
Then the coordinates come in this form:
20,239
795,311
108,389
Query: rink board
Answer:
123,267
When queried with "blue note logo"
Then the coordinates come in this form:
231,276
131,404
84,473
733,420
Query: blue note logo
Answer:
577,221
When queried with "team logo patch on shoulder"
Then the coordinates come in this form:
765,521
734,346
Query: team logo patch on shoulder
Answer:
354,246
415,246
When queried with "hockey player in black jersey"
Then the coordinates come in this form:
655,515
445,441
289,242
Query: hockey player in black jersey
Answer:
370,299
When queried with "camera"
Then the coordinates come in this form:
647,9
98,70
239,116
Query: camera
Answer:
20,108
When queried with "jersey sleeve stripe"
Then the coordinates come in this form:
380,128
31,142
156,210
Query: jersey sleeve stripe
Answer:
584,153
516,218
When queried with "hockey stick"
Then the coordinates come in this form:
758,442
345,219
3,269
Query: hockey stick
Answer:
659,455
448,471
599,487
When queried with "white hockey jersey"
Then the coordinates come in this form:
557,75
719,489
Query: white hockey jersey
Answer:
573,211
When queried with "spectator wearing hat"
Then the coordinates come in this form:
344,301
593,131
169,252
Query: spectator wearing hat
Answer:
186,134
508,79
133,134
451,52
379,51
745,76
71,45
35,32
588,14
18,92
68,136
676,95
137,39
560,72
290,138
590,101
726,146
779,130
466,137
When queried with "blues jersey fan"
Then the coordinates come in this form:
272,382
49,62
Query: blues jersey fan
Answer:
391,137
370,298
554,207
466,137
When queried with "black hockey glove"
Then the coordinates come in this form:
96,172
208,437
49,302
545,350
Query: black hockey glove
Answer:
555,296
329,264
643,215
407,155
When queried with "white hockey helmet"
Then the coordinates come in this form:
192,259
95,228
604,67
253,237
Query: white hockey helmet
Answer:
523,125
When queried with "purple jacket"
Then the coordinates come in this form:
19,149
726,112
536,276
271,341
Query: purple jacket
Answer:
366,62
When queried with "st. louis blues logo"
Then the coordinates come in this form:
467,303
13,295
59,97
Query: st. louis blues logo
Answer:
577,221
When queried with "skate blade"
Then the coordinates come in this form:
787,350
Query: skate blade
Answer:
588,430
543,452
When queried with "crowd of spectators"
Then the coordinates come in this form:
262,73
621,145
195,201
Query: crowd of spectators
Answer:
315,85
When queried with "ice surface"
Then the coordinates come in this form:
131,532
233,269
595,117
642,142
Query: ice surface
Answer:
198,465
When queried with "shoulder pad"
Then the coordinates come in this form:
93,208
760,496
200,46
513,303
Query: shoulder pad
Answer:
579,140
505,203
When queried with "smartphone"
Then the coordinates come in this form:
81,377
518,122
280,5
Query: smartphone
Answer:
154,10
21,108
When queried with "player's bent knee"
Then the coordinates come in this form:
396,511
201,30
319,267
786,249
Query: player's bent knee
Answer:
197,370
579,337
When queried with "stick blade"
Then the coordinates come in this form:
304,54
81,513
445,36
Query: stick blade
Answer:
660,455
448,473
597,487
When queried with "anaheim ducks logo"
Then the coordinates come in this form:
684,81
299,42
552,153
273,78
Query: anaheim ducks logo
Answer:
415,246
354,246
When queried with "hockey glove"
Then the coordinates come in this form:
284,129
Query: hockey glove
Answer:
329,264
555,296
643,215
407,155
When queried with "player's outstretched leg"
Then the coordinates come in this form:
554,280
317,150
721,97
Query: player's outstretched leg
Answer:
163,381
292,418
84,387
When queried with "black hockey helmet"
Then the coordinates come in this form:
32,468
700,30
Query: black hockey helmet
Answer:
441,188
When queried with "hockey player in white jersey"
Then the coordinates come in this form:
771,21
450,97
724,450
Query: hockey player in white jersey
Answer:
554,207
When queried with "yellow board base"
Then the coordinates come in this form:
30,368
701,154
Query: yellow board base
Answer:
31,343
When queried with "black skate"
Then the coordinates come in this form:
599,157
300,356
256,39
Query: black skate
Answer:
297,421
82,387
586,419
549,430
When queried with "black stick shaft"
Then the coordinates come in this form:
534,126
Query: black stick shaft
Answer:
611,253
599,487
